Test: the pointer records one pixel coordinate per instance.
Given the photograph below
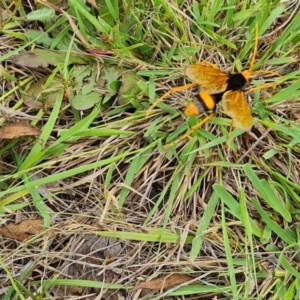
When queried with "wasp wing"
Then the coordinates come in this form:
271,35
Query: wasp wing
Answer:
235,106
209,77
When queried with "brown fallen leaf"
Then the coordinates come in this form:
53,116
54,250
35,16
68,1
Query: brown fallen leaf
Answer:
46,97
14,130
163,282
23,230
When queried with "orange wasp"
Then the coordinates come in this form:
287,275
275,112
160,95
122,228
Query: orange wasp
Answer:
216,85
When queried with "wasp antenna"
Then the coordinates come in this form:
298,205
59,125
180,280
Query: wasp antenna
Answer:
267,72
255,48
264,86
230,131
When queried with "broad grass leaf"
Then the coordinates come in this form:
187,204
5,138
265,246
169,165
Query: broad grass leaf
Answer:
43,58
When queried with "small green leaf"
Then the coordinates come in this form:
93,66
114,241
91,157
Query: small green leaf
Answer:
111,73
129,88
83,102
42,15
85,77
39,37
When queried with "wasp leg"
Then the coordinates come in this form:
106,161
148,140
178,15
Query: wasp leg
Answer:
266,72
263,86
171,91
230,131
255,48
188,133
